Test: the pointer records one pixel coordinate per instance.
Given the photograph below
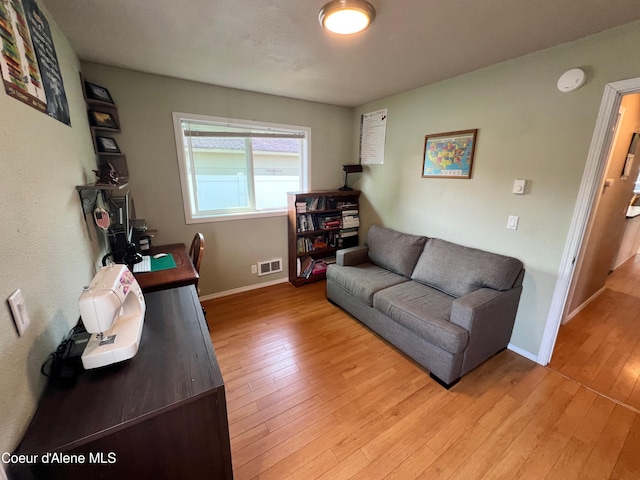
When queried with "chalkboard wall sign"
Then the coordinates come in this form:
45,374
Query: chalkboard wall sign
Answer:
29,64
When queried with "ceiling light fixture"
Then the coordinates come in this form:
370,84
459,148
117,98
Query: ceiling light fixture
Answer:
346,16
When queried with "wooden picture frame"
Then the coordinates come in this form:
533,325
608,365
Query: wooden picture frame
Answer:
103,119
449,154
96,92
107,145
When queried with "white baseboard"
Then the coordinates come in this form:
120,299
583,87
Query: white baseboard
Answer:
523,352
584,304
248,288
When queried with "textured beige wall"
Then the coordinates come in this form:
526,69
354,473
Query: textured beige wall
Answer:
45,245
527,130
145,103
607,227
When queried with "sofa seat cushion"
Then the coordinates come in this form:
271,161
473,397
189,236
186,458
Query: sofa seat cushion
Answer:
394,250
425,311
363,280
459,270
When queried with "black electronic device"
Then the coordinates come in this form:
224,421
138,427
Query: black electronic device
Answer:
129,255
66,361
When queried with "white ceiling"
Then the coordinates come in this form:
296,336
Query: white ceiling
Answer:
278,46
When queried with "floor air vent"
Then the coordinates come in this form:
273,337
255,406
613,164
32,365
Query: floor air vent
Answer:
272,266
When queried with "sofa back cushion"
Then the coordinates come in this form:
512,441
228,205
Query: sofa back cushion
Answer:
394,250
459,270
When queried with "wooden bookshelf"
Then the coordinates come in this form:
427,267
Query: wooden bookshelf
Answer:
319,223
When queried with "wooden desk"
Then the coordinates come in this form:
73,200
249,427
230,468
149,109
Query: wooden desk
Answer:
184,273
160,415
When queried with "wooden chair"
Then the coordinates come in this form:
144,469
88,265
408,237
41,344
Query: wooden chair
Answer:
195,252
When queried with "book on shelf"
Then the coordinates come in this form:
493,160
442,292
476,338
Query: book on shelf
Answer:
349,232
304,245
330,221
305,266
319,266
312,267
319,203
346,213
350,216
331,224
347,206
307,222
351,221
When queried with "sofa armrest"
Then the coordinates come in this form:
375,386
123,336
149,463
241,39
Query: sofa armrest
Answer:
466,310
352,255
488,315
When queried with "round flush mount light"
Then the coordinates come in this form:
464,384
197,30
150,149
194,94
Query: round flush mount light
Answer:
345,17
571,80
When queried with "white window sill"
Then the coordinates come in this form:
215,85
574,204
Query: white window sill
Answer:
237,216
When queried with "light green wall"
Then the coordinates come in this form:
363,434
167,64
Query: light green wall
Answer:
145,103
527,130
45,245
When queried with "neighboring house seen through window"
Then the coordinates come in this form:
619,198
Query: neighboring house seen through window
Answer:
233,169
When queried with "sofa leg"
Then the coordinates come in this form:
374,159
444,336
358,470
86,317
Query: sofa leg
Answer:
443,383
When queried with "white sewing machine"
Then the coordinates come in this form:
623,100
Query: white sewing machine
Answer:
112,307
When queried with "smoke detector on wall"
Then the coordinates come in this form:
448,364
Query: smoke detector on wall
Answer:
571,80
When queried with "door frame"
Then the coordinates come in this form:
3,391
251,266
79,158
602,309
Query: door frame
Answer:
590,187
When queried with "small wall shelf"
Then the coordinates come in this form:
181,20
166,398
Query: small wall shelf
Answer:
101,186
89,193
107,111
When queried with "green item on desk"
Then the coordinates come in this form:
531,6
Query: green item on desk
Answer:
162,263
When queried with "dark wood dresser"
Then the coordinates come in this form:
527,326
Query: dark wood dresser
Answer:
160,415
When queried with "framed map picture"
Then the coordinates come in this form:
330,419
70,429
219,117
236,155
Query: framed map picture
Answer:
449,155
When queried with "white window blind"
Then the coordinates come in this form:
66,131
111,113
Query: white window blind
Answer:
237,169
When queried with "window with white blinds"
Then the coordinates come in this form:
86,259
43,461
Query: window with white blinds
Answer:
233,169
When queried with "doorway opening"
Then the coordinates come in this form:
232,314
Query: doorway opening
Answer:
592,183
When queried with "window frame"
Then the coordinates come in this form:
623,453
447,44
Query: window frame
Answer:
192,217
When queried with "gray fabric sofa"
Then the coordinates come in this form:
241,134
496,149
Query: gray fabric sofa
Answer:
447,306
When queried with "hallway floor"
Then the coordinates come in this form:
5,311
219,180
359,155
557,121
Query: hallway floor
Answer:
600,346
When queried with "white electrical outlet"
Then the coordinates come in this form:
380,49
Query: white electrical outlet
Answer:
254,269
19,310
512,222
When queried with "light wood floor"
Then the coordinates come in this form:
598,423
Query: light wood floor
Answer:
311,393
600,346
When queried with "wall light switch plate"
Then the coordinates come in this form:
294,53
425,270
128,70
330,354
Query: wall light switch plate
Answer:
19,310
512,223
